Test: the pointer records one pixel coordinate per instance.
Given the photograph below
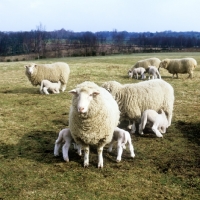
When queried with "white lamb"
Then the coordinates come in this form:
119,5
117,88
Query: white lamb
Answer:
154,120
134,99
181,66
137,71
153,71
122,137
47,85
65,137
93,116
53,72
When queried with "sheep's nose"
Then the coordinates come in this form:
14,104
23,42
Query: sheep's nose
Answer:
80,109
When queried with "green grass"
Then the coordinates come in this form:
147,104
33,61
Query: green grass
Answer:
167,168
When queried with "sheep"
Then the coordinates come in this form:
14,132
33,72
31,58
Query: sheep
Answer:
122,137
146,63
140,70
53,72
92,118
182,66
48,85
65,137
153,71
135,98
150,118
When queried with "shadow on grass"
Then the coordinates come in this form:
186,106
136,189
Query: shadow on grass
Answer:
22,90
190,130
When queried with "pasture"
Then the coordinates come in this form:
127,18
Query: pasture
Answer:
164,168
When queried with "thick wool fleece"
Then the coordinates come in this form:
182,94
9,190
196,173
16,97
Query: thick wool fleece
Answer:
134,99
53,72
95,127
147,62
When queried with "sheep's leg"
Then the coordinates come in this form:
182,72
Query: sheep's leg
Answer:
79,149
100,157
131,148
86,156
63,87
110,146
133,128
169,118
45,90
156,131
119,150
56,148
65,150
141,129
190,74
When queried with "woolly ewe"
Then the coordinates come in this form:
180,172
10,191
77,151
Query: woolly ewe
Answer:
93,116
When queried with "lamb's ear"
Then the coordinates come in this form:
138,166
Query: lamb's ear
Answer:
74,92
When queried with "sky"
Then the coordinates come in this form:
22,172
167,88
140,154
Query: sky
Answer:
100,15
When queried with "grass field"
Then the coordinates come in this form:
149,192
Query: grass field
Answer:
164,168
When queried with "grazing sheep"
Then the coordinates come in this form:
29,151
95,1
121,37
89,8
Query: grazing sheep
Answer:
181,66
154,120
53,72
47,85
134,99
153,71
65,137
93,116
122,137
146,63
140,70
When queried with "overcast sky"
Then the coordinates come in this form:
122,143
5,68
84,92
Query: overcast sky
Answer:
100,15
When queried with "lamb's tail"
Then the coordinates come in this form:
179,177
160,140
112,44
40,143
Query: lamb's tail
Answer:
143,120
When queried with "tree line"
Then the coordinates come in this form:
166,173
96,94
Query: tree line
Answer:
40,41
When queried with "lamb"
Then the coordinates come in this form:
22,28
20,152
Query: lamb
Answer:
150,118
133,99
146,63
65,136
153,71
48,85
122,137
182,66
93,116
140,70
53,72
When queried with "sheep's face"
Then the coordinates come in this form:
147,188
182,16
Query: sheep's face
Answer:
30,68
163,64
83,98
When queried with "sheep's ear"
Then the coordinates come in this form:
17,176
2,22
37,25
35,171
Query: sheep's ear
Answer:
25,66
35,66
74,92
95,93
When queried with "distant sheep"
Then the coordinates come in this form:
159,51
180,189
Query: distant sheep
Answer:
122,137
134,99
53,72
47,85
65,137
93,116
146,63
157,122
153,72
137,71
179,66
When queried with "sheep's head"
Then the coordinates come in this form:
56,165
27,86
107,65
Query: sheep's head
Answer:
164,64
83,97
30,68
112,87
130,73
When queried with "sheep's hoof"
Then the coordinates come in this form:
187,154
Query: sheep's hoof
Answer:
129,127
118,161
86,165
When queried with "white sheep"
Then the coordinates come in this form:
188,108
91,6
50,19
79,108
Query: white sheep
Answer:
122,137
65,137
153,71
47,85
157,122
134,99
137,71
179,66
53,72
146,63
93,116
